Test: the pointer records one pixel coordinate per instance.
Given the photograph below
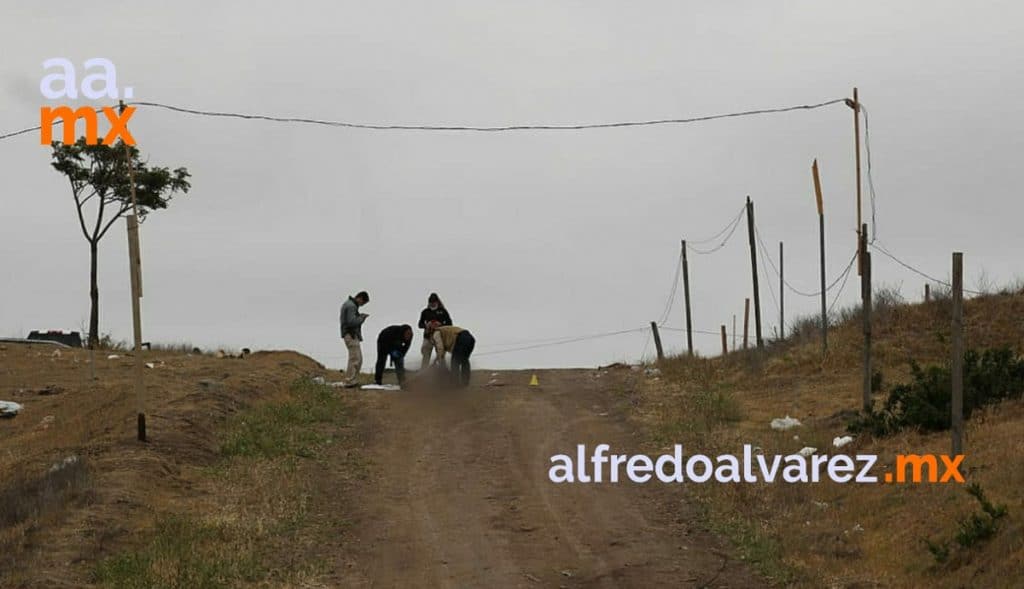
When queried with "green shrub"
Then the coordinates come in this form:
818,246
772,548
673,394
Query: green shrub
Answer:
926,401
973,529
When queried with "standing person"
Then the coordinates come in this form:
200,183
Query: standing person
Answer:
460,343
435,311
393,342
352,333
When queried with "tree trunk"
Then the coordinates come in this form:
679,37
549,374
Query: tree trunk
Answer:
94,296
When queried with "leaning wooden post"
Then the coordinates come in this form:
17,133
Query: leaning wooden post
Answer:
753,273
725,346
927,292
821,247
855,105
657,341
686,297
957,365
135,272
746,322
866,313
782,298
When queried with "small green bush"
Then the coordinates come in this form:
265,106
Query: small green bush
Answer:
972,530
926,401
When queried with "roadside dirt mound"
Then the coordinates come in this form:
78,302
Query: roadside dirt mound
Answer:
76,484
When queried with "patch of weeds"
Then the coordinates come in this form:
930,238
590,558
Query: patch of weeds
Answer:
287,427
183,553
925,402
717,406
971,530
756,547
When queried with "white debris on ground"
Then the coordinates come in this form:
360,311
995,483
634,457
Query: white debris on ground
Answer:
841,441
377,387
113,357
319,380
807,451
67,462
9,408
652,372
785,423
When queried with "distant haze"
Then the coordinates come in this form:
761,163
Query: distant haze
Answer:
527,236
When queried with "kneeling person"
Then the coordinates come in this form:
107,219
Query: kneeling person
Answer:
459,343
393,342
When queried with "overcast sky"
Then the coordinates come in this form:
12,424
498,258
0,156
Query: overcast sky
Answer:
526,236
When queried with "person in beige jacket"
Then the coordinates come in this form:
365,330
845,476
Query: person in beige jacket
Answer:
459,342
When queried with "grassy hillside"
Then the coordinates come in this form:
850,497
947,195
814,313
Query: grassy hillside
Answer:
851,535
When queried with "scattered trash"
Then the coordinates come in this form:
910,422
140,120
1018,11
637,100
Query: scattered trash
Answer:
67,462
566,573
857,528
374,387
495,383
796,438
652,372
807,451
785,423
820,504
531,577
150,365
56,354
50,390
113,357
9,408
46,422
839,442
319,380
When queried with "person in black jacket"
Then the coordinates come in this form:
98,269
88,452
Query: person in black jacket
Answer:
393,342
435,311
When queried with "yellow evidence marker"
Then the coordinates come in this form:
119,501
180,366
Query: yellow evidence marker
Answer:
534,382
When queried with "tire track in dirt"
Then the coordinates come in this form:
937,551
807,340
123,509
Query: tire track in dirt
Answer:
461,497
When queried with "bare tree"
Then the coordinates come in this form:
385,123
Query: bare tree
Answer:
101,189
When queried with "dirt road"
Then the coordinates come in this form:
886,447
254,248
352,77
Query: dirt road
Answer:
460,495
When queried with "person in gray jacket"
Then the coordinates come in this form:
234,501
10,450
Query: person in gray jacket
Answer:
352,334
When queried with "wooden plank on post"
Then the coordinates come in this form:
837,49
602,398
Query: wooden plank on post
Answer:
821,246
657,341
866,313
686,296
746,322
753,273
725,346
957,367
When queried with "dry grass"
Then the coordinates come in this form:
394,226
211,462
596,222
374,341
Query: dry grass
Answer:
851,535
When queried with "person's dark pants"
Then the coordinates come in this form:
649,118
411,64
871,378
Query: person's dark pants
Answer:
461,351
383,353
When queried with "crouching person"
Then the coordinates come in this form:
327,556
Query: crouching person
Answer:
450,339
393,342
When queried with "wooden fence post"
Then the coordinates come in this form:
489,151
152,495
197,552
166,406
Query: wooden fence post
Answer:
782,298
957,367
866,313
725,347
746,322
686,295
821,244
753,273
657,341
927,292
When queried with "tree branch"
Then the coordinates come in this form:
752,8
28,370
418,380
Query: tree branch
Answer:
120,213
78,208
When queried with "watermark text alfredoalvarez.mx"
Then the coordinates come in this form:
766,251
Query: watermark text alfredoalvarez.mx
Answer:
599,466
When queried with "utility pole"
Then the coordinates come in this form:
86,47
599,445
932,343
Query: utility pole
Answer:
855,105
135,271
657,341
686,296
865,293
957,363
782,298
753,272
821,243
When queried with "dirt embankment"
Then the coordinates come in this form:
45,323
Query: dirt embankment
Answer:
76,485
